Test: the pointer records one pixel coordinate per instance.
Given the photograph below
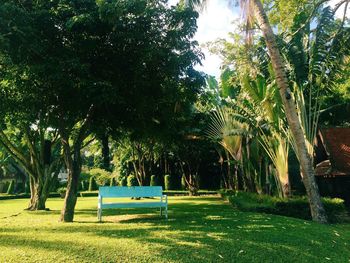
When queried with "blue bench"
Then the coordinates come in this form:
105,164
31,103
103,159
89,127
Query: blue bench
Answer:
132,192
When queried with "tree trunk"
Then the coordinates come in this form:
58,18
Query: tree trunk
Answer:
73,165
286,190
317,210
285,186
192,190
105,153
67,213
38,196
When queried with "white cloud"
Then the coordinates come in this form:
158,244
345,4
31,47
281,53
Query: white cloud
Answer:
216,22
172,2
340,11
213,23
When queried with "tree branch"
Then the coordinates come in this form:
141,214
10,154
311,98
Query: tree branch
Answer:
15,153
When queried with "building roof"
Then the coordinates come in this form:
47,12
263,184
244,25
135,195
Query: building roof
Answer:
336,144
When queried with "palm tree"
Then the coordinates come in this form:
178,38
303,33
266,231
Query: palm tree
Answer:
254,9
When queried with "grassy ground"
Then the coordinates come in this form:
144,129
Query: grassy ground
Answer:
202,229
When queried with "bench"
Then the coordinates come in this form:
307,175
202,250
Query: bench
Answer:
132,192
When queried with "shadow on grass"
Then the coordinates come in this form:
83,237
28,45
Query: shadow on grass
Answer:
204,231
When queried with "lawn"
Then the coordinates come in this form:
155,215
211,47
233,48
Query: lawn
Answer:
200,229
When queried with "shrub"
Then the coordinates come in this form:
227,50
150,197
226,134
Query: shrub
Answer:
154,181
225,193
297,207
92,184
55,184
62,191
84,181
20,188
102,177
111,182
123,181
167,182
27,187
63,184
84,185
11,187
4,187
88,194
132,181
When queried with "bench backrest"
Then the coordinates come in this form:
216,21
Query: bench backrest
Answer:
133,191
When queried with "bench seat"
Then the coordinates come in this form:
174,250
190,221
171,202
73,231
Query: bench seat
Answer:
134,205
136,192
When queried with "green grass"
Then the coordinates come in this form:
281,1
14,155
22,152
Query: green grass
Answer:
199,229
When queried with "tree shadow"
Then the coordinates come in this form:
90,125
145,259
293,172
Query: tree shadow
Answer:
194,232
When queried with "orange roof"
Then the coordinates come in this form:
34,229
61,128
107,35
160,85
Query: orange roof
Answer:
337,145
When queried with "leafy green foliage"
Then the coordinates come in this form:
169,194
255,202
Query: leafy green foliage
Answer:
62,191
168,184
294,207
123,181
92,184
11,187
154,180
132,181
101,176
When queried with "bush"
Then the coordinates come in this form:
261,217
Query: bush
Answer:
55,184
4,187
225,193
20,188
84,185
154,181
297,207
167,182
27,187
88,194
63,184
92,184
132,181
11,187
111,182
123,181
101,176
84,181
62,191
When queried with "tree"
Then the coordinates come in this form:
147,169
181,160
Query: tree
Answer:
36,150
118,65
254,10
24,131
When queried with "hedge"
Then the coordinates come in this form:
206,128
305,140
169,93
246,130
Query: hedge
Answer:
297,207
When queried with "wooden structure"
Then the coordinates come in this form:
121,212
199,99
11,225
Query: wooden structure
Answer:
333,162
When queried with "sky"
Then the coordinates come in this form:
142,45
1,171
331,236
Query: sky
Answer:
216,22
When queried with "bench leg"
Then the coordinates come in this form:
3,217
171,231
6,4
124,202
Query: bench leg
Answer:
166,212
99,214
